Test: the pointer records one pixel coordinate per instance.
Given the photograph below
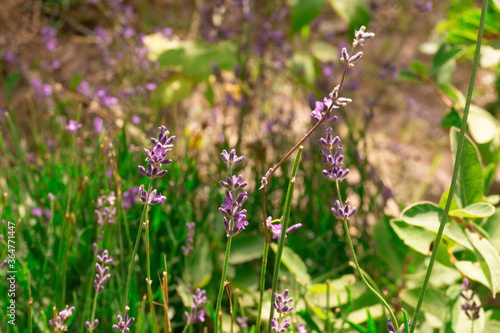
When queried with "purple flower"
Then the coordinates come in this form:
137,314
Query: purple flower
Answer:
189,239
98,125
280,305
52,197
343,213
423,6
136,119
392,329
105,210
152,198
470,307
151,86
333,161
157,154
84,89
9,56
130,198
231,159
124,323
301,328
92,326
197,313
102,275
37,212
243,322
49,37
317,114
60,323
73,126
276,228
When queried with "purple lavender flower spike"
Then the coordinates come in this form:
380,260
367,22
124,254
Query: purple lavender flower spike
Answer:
189,239
102,275
423,6
470,307
243,322
124,323
390,326
156,155
320,109
276,228
152,198
49,37
60,323
196,312
281,307
105,210
301,328
343,213
92,326
130,197
232,209
73,126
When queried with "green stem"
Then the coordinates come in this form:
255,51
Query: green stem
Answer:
148,265
349,240
458,157
284,226
262,284
222,281
134,252
93,311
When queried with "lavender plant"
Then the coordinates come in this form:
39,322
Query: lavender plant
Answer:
124,323
196,313
60,321
281,307
234,216
101,278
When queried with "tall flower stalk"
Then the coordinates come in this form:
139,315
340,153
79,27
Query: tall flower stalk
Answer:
234,216
156,156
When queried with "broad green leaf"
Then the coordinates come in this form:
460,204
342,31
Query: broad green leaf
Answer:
418,239
201,266
482,125
174,90
419,68
492,227
456,320
294,263
428,215
477,210
355,12
394,255
324,52
473,271
452,119
451,91
357,327
304,11
434,300
317,293
444,62
360,316
488,259
444,197
408,75
245,249
470,182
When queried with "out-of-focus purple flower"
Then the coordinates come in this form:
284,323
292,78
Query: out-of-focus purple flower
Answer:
47,213
326,105
98,125
52,197
301,328
423,6
333,161
189,239
276,228
157,156
49,37
60,324
105,210
84,89
92,326
136,119
151,86
343,213
73,126
470,307
102,275
124,323
243,322
197,313
130,197
56,64
37,212
9,56
128,32
5,262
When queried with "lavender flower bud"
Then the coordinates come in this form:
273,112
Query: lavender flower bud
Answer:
345,56
343,213
124,323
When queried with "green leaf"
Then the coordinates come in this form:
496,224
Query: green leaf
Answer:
408,75
394,256
317,293
324,52
453,93
470,182
304,11
452,119
482,125
245,249
444,62
473,271
418,239
294,263
419,68
356,12
477,210
492,227
370,323
434,301
357,327
174,90
302,65
489,176
488,259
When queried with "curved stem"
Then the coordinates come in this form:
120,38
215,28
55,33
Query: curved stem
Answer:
222,281
458,157
346,229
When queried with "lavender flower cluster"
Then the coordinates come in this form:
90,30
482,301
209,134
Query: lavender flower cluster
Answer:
102,275
60,323
232,208
157,156
281,307
470,307
392,329
105,210
197,313
124,323
276,228
189,239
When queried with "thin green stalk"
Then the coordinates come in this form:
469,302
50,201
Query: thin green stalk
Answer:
94,306
134,252
148,265
458,157
327,323
346,229
262,284
222,281
284,226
